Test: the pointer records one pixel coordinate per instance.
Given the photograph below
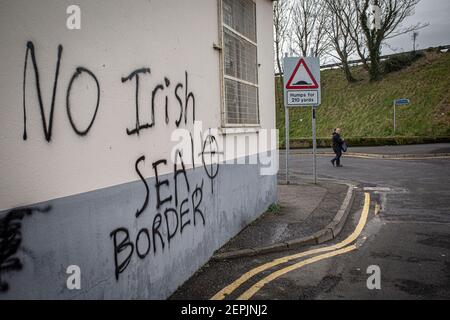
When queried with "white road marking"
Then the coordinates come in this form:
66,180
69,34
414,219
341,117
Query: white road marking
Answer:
382,189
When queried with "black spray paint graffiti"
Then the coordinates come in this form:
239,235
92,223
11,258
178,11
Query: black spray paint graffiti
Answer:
79,71
166,223
135,75
175,210
48,127
47,130
11,239
211,169
162,88
189,99
145,184
161,232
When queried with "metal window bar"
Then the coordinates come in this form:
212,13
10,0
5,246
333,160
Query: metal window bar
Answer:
239,60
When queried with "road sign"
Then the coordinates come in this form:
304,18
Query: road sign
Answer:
398,102
401,102
302,82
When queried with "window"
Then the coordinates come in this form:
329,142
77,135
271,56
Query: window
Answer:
240,64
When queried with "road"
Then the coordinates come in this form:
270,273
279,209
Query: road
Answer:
400,221
409,239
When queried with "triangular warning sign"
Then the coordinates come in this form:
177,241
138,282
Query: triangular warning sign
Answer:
301,78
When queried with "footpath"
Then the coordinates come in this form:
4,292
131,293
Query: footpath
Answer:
307,214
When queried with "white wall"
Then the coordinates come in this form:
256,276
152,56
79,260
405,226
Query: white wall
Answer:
116,37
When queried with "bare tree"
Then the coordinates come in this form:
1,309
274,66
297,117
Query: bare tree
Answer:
281,21
393,13
281,18
339,33
347,14
309,28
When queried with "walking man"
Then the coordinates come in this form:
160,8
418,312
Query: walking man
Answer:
337,147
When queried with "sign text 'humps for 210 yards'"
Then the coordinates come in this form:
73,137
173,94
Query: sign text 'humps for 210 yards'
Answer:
302,82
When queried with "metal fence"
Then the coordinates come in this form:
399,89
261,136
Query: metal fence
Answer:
384,57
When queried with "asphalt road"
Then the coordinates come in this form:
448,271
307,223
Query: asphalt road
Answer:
407,235
409,239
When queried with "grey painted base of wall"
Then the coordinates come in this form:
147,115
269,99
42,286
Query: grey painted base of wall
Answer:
77,231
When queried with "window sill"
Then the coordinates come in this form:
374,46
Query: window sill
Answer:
239,130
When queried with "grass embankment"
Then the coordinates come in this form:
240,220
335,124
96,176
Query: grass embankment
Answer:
364,109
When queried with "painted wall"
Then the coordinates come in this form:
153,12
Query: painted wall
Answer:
81,184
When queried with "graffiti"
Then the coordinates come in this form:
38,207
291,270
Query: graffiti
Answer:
167,82
180,102
198,194
139,211
177,208
47,129
77,73
178,201
162,230
30,51
135,75
178,172
188,97
211,169
154,92
159,184
161,88
11,239
119,247
141,255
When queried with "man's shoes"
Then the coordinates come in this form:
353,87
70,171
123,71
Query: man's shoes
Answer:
339,166
332,162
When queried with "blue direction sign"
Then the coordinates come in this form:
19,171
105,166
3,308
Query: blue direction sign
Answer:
401,102
398,102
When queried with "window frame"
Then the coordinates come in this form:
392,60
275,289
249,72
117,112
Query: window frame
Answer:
223,76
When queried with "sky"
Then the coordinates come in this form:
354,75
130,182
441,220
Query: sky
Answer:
435,12
437,33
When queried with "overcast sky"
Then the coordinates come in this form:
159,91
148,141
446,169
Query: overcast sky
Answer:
435,12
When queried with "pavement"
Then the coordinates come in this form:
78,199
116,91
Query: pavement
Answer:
403,151
418,149
308,214
398,223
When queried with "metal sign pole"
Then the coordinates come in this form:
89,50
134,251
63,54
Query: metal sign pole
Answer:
301,89
399,102
286,112
395,125
314,143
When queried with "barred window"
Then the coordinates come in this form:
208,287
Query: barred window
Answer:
240,62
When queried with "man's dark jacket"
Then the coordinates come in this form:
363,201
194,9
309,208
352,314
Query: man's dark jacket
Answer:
337,142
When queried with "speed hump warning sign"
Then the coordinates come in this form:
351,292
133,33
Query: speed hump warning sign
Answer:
301,82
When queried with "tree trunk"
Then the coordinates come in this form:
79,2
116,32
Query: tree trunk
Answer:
279,84
348,73
375,71
277,48
343,57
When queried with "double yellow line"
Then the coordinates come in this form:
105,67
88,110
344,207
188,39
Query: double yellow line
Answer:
331,251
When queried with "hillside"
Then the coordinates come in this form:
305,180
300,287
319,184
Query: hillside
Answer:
364,109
